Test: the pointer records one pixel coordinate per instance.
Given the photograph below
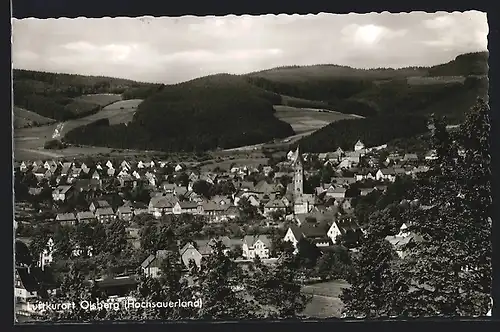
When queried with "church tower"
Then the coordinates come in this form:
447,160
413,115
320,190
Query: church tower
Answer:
298,178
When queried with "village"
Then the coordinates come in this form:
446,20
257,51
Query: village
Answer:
255,212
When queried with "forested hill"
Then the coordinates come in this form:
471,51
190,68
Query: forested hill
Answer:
218,111
449,89
56,96
226,111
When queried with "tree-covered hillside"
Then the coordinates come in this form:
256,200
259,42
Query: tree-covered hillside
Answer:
371,131
449,89
219,111
52,95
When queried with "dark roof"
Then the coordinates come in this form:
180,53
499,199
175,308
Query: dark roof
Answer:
27,278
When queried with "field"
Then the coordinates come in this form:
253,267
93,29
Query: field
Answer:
29,142
101,99
24,118
307,119
420,80
325,302
89,103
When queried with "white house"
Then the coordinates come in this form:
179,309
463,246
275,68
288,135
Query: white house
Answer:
178,168
386,174
25,285
359,146
46,258
257,245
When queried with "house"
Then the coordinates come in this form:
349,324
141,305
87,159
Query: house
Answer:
274,205
431,155
359,146
151,266
256,246
364,175
109,164
178,168
401,242
339,227
386,174
160,205
392,158
39,172
314,232
410,158
212,210
231,212
125,165
25,284
46,258
221,200
185,207
79,251
85,217
96,204
105,214
62,193
168,188
96,175
139,208
189,253
366,191
227,242
304,203
335,192
124,213
66,218
23,167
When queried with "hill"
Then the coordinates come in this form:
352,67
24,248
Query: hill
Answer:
228,111
371,131
64,96
218,111
448,89
24,118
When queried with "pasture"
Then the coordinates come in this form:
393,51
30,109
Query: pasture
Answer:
101,99
326,301
430,80
88,103
306,119
29,142
24,118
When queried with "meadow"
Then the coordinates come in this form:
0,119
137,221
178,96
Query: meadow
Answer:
29,142
307,119
24,118
326,301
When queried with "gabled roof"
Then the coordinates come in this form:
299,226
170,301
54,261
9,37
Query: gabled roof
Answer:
250,240
124,209
275,203
388,171
104,211
85,215
27,278
162,202
65,217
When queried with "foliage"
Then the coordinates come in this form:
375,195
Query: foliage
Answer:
371,131
244,112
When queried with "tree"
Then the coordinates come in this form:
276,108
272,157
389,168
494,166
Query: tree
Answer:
116,237
149,235
216,283
203,188
248,211
450,269
308,253
371,291
63,244
278,289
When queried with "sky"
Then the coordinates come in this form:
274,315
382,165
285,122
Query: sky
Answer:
175,49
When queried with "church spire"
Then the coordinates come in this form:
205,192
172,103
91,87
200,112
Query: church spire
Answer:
298,156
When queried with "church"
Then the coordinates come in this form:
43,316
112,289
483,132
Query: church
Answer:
302,203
